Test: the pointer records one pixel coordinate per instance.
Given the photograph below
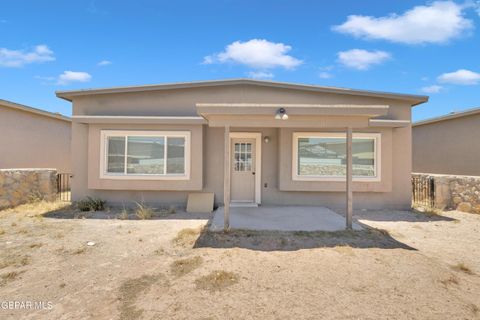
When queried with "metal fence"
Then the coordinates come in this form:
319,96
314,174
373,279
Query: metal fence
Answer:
423,191
63,186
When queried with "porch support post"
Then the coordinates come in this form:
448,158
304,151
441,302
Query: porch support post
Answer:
226,182
349,179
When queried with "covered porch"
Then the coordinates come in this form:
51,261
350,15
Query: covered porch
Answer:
280,218
243,123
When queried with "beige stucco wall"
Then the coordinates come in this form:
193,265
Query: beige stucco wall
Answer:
448,147
29,140
392,192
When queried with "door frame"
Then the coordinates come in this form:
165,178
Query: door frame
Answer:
258,159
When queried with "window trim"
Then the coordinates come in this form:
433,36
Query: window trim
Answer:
377,154
105,134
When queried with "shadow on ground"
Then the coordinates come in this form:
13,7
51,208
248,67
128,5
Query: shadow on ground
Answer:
297,240
115,213
394,215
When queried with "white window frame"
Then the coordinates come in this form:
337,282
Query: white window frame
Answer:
105,134
377,154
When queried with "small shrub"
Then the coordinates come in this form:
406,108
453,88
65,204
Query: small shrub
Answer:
123,215
143,211
91,204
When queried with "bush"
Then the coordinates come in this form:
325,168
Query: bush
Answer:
91,204
143,211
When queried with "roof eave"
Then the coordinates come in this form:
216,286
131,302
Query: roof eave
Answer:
413,99
21,107
447,117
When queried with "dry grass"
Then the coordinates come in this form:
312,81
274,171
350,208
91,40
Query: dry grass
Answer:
184,266
22,231
130,290
35,245
2,232
8,277
14,260
123,215
187,237
37,208
80,250
217,281
450,280
143,211
461,267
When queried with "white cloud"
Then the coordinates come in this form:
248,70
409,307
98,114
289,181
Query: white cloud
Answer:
462,77
256,53
362,59
432,89
104,63
437,22
73,76
19,58
260,74
325,75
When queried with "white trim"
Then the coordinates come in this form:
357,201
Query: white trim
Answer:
377,152
258,159
104,134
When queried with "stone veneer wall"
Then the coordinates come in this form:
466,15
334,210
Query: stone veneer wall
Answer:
456,192
19,186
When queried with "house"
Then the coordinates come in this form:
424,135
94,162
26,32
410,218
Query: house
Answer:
33,138
448,144
249,142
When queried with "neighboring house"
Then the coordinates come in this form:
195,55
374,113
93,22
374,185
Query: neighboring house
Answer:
448,144
33,138
282,143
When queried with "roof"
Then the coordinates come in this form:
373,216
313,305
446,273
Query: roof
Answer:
413,99
450,116
17,106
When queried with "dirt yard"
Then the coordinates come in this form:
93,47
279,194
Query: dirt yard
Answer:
415,267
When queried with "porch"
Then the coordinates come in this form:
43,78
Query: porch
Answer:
281,218
244,182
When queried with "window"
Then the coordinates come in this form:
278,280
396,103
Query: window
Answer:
145,154
322,156
243,157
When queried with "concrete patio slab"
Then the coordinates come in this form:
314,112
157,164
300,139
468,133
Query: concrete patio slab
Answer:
285,218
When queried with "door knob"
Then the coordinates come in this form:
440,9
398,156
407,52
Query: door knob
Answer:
253,173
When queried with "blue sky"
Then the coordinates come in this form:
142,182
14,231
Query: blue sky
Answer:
403,46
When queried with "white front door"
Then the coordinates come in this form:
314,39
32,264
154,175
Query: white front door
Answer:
243,170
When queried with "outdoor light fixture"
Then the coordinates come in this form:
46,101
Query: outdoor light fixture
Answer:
281,114
266,139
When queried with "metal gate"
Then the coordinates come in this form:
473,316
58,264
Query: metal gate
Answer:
423,191
63,186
